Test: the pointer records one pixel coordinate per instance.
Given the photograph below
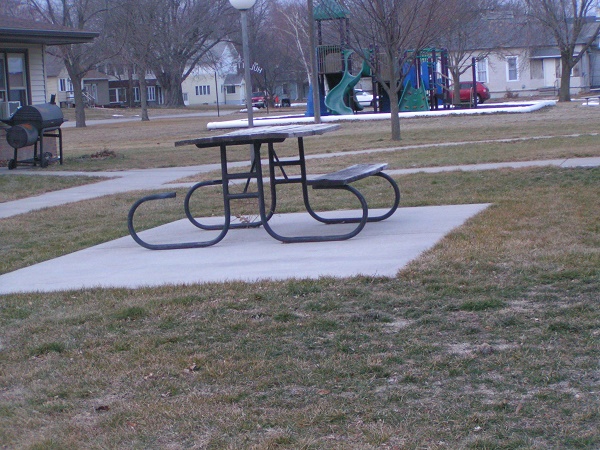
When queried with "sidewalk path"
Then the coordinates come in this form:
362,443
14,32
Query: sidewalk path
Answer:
147,179
381,249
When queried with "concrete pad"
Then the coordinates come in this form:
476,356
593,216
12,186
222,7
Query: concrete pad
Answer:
381,249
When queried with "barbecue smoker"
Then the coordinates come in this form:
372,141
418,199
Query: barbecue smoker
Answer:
29,126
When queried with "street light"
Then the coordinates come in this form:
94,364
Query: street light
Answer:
243,6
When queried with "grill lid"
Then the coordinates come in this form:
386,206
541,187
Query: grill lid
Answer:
45,115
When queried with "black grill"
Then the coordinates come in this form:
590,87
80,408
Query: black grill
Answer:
29,125
42,116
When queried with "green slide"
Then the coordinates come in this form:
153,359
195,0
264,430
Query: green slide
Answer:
335,98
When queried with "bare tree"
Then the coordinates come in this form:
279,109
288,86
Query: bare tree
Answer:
12,8
291,21
399,29
132,24
79,59
183,31
273,49
571,27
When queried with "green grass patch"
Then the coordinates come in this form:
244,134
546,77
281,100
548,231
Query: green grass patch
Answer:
15,187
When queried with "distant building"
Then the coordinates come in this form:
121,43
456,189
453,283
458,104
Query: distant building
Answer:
531,65
217,77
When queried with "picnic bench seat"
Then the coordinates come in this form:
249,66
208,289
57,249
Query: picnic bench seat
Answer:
342,179
346,176
588,97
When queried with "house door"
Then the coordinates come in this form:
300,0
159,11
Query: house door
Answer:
551,72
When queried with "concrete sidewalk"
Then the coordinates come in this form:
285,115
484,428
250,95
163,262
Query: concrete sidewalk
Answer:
381,249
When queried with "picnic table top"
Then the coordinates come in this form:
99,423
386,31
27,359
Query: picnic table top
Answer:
249,135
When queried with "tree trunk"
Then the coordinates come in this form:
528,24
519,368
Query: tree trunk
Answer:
455,88
564,93
79,102
393,95
144,94
171,85
395,118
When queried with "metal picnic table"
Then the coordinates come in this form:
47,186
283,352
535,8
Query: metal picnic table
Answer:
255,138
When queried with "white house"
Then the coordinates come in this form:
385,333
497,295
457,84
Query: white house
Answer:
216,79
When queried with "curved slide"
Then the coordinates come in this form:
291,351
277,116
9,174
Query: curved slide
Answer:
335,98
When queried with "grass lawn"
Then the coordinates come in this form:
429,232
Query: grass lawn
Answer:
16,186
490,340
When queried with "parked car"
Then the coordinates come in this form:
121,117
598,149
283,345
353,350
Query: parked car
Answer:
363,98
259,99
466,87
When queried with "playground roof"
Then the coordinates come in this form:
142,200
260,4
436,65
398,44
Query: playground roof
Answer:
329,10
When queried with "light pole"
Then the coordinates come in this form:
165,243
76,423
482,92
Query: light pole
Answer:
243,6
314,76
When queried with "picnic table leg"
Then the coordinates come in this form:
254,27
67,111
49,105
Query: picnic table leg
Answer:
371,218
266,215
316,216
191,218
321,238
173,246
245,194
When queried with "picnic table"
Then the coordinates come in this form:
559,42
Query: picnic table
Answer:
278,175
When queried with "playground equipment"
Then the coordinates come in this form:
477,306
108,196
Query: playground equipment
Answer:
426,83
341,95
334,63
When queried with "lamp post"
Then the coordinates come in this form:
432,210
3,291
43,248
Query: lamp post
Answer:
243,6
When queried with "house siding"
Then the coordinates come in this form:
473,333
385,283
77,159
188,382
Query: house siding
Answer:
527,85
37,75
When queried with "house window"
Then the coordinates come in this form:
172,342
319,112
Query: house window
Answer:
185,97
536,69
65,85
482,70
117,95
136,94
203,90
151,93
229,89
512,68
13,77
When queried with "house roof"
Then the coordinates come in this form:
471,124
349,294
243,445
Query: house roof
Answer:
15,30
506,31
55,66
547,52
233,80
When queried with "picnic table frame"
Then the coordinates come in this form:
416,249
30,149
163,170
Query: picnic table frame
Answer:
256,137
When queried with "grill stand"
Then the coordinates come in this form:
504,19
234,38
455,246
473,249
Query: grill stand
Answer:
44,158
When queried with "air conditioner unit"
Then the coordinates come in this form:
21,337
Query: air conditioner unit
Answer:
7,109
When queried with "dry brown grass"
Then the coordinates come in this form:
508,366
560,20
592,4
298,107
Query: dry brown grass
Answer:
150,144
487,341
